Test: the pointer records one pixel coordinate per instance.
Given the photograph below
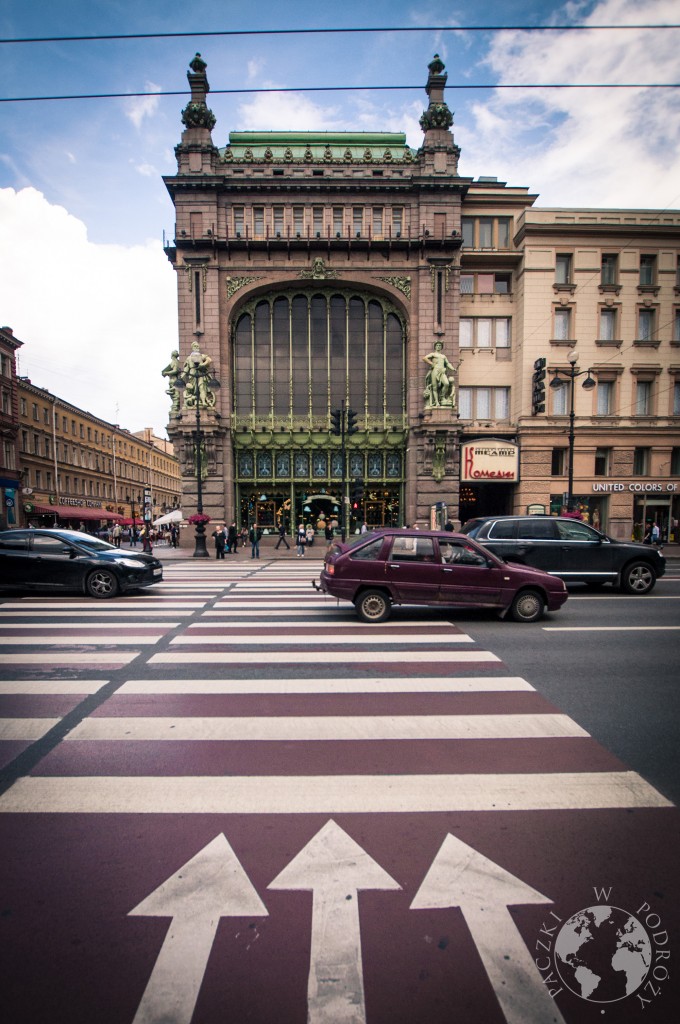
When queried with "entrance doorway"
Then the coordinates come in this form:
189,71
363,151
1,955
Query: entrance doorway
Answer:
490,499
648,510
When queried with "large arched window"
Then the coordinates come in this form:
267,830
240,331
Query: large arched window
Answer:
299,355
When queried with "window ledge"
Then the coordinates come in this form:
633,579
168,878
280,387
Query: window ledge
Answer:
648,289
613,288
605,343
564,342
644,343
566,287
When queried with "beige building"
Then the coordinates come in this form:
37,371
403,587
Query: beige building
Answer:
75,467
322,271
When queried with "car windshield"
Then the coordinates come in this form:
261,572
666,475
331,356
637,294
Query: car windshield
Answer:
89,541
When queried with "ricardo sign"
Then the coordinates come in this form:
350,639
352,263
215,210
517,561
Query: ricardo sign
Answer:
489,459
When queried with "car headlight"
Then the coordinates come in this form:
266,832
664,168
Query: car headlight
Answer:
130,563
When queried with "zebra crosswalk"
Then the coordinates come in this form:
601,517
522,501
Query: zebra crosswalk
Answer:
233,700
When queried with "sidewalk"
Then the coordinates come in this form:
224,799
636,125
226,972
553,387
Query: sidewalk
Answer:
268,550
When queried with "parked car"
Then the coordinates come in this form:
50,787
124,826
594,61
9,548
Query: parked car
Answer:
54,560
377,570
569,549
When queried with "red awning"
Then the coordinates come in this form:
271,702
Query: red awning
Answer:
129,522
74,512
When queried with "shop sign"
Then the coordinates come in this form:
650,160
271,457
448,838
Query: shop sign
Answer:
536,510
489,459
79,502
648,487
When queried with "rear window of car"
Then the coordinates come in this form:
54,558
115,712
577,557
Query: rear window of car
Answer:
570,530
504,529
50,546
536,529
14,543
412,549
368,551
472,527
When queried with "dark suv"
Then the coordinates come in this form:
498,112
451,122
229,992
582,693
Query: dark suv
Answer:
570,549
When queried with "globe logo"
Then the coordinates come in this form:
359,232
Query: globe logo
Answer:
603,954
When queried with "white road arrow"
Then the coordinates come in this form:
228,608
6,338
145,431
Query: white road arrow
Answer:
461,877
209,886
335,869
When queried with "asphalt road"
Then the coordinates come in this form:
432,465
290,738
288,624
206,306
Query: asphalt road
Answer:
610,661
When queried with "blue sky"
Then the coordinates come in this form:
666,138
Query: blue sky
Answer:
83,207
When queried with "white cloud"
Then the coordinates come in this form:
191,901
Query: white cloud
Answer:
139,107
283,111
584,147
97,321
147,170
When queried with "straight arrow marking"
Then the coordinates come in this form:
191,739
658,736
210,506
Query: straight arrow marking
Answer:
461,877
211,885
335,869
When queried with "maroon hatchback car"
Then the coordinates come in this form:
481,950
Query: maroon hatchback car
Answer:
389,567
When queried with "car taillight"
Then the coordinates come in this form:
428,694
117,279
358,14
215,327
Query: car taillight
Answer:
330,568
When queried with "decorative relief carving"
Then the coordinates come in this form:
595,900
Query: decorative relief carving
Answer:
235,283
319,271
402,284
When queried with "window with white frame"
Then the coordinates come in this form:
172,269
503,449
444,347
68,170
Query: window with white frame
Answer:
485,332
559,398
562,324
605,397
563,268
484,403
643,398
607,325
646,324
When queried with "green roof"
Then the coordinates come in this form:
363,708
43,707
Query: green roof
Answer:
321,147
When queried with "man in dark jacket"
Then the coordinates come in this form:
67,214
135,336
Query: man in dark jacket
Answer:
282,536
220,540
232,539
254,538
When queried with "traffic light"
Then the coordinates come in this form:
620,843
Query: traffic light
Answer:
538,387
351,422
336,422
357,491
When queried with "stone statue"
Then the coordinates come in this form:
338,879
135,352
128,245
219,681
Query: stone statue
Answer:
172,371
197,373
439,381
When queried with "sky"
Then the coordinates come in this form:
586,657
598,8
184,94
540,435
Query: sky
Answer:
84,281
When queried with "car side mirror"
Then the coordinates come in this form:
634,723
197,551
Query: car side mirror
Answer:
73,553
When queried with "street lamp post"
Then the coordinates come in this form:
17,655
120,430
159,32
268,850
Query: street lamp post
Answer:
197,368
588,384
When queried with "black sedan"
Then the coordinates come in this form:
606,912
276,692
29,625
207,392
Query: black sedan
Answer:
53,560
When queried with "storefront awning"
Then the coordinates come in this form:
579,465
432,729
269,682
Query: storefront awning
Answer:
74,512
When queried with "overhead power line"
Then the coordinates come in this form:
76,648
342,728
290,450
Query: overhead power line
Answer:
337,31
345,88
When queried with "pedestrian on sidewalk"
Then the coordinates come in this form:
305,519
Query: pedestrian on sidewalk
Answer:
220,541
282,537
301,540
232,539
254,537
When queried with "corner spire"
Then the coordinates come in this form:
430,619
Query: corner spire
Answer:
437,116
197,114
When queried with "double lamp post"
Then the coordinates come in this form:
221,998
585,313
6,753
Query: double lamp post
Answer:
560,376
198,378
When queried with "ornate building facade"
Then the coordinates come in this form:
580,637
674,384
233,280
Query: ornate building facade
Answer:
326,271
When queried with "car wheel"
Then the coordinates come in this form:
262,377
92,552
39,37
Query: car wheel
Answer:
102,583
373,606
637,578
527,606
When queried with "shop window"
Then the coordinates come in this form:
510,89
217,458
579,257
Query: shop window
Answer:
602,456
558,462
641,462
